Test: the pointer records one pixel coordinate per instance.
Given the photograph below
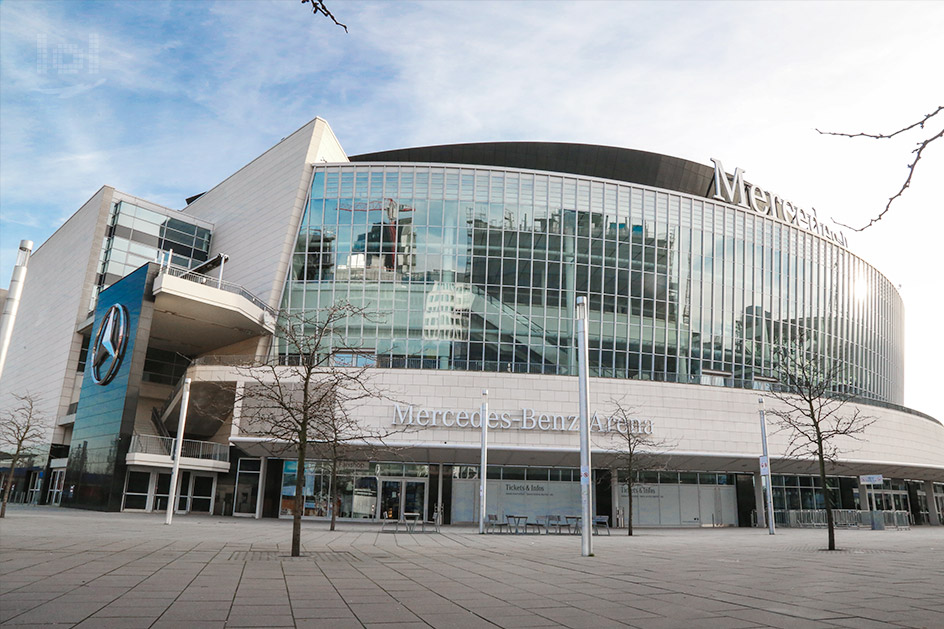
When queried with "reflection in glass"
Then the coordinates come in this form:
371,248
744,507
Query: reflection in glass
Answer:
478,269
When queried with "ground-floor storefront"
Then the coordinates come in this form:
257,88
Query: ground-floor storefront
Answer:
379,490
449,493
148,489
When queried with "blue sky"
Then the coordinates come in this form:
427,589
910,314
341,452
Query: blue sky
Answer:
181,94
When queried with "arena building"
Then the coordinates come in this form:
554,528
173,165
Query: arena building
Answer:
470,258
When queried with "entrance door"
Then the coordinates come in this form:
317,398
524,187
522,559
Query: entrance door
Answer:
247,493
34,487
56,482
196,493
746,503
414,497
400,496
201,494
390,496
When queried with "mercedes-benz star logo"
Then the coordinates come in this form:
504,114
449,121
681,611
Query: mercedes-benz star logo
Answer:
109,346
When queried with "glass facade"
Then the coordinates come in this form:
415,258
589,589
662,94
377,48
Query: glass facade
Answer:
478,268
95,476
135,235
402,488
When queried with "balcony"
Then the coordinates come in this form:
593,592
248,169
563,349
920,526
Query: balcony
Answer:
157,451
194,313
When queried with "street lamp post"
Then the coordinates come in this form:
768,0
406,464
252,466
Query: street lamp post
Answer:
483,467
586,503
765,468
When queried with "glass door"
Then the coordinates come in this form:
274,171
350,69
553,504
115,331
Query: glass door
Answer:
34,487
183,496
247,487
201,494
414,497
399,497
390,496
55,486
196,493
161,491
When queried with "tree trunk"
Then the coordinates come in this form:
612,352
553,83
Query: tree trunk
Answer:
629,510
828,495
299,498
6,495
6,492
334,490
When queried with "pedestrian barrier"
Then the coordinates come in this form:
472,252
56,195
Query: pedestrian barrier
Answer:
901,520
842,518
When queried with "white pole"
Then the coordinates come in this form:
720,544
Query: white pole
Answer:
12,302
178,446
483,467
219,284
765,471
583,368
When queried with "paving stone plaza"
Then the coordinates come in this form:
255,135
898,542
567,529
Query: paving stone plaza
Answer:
66,568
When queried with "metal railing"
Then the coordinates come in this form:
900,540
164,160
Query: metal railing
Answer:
898,519
842,518
232,360
191,448
250,360
214,282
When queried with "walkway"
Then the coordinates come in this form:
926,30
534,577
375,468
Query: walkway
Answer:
66,568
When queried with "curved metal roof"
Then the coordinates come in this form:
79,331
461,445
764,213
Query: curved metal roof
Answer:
608,162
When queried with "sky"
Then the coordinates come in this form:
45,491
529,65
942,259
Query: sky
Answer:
165,99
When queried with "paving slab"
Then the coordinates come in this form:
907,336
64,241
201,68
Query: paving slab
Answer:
65,568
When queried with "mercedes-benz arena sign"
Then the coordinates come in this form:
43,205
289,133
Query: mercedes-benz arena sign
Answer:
109,346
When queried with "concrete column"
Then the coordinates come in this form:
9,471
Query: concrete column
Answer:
439,500
759,500
933,513
864,497
237,408
260,492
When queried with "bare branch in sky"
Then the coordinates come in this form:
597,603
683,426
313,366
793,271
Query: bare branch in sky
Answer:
911,167
318,6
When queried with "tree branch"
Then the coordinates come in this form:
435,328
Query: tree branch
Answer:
883,136
318,6
911,167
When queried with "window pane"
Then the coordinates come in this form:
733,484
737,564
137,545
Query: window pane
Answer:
138,482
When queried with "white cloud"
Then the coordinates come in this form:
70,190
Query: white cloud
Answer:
193,90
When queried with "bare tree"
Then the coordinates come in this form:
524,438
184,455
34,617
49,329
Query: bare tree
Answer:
22,430
918,152
318,6
303,398
813,407
633,448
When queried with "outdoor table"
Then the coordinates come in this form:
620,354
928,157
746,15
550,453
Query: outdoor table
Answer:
411,519
573,523
517,521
